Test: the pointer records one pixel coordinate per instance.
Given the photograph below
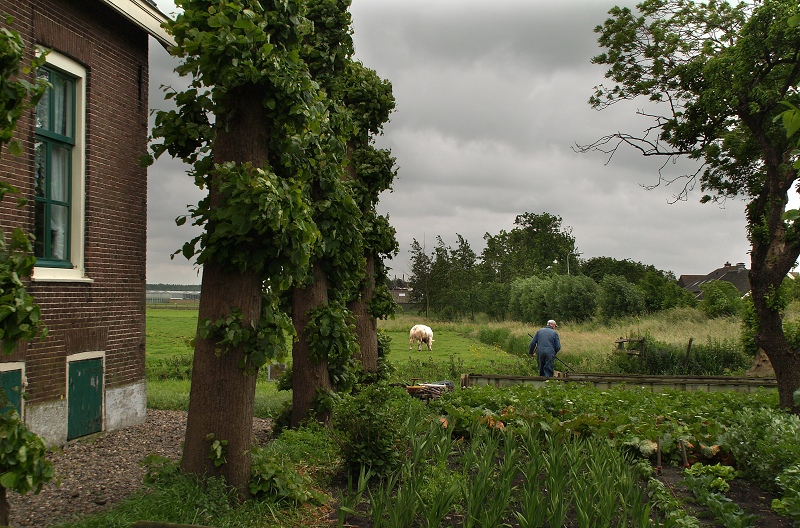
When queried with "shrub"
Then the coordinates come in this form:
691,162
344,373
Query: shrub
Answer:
560,297
177,367
370,427
620,298
276,477
493,336
720,298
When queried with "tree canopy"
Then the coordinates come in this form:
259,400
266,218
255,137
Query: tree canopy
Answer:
716,77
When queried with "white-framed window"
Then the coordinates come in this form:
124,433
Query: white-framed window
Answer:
60,172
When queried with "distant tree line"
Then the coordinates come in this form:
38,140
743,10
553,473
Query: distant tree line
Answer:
173,287
533,273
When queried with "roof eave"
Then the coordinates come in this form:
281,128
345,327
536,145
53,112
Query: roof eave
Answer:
144,15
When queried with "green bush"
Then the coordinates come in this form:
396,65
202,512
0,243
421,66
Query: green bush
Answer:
619,298
720,298
276,478
370,429
494,336
560,297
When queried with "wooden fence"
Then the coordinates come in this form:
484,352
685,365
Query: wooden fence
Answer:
653,383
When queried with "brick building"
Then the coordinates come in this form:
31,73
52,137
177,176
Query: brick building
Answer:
88,209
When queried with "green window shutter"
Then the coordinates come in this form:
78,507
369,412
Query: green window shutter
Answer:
12,387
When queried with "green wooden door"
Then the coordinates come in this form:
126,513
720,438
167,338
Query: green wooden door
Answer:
85,398
12,385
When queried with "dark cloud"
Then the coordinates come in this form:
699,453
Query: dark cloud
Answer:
491,98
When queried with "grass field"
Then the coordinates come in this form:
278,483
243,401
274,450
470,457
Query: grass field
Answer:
458,348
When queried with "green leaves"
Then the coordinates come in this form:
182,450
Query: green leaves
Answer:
217,449
20,315
269,340
17,95
331,336
24,465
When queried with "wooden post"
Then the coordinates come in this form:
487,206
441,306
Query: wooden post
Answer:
686,362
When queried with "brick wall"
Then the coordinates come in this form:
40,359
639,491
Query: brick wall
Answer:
108,313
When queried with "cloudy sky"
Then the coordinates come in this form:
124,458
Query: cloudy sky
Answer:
491,99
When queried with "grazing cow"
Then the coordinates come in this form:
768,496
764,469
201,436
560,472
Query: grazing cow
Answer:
421,334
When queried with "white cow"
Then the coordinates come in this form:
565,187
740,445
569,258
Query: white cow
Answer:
421,334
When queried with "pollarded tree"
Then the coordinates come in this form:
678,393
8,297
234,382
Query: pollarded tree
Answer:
369,101
336,312
715,76
250,124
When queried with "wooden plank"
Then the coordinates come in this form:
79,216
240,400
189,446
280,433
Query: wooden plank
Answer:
652,383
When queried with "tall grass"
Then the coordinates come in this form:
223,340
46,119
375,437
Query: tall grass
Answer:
586,346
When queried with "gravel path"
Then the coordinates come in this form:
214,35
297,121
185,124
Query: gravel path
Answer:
100,470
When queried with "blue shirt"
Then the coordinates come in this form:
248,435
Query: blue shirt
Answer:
547,340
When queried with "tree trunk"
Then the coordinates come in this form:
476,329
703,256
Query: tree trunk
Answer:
222,395
309,376
770,338
5,508
771,259
366,324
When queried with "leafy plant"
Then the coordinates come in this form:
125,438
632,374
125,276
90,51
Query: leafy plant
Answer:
369,424
24,465
789,483
217,449
351,498
708,487
278,479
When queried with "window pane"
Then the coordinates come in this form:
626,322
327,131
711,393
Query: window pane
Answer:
62,103
59,216
43,108
40,186
59,174
38,230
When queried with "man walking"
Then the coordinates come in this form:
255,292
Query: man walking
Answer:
545,344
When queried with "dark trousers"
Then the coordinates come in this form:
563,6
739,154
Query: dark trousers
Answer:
547,362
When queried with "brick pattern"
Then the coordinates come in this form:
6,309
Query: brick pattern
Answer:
107,314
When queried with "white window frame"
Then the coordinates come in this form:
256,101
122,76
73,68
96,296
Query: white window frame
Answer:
77,273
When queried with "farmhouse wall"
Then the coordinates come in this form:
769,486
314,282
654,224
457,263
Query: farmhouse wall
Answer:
105,313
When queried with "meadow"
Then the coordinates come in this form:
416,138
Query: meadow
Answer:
483,347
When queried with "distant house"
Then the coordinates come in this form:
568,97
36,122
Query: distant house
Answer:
88,210
401,296
736,275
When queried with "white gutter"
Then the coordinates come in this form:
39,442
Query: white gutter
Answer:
144,15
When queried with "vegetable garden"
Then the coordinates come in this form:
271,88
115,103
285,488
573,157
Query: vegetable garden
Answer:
560,455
